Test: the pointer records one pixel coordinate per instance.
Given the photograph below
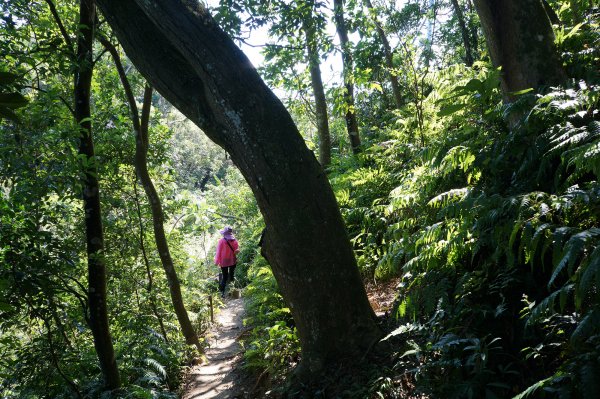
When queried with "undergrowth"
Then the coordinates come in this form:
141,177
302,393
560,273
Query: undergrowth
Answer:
493,229
495,233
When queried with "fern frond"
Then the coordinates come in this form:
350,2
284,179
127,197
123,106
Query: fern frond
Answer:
573,251
547,304
155,334
458,157
158,368
569,136
446,198
589,373
540,384
590,274
541,231
588,326
157,350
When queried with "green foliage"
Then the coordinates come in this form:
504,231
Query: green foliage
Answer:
493,232
272,347
46,344
11,100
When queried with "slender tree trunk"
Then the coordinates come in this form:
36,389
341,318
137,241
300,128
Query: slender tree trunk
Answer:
141,166
464,33
312,53
150,285
520,39
348,71
140,127
91,199
389,56
179,48
473,28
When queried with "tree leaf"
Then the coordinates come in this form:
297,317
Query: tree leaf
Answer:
450,109
520,92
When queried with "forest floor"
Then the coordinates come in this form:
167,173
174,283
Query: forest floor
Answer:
222,375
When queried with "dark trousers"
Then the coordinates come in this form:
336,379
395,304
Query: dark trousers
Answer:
225,277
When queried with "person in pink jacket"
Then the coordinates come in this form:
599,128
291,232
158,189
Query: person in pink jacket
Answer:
225,258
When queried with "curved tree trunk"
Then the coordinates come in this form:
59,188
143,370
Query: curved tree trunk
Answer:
389,56
197,67
141,167
347,61
520,39
91,199
312,54
140,127
158,219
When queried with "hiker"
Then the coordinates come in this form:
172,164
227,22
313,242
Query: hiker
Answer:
225,258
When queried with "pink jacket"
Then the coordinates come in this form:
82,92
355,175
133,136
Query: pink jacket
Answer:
225,256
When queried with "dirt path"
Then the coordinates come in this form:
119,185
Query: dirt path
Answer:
218,377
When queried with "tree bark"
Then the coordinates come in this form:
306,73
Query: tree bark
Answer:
520,39
91,199
179,48
312,54
389,56
464,33
348,67
140,127
150,284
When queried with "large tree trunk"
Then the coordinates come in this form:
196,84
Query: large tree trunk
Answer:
347,63
520,39
140,127
91,199
464,31
389,56
197,67
312,54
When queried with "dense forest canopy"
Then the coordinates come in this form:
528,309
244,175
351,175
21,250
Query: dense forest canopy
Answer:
442,153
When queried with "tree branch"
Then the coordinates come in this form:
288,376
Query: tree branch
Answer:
146,106
63,31
65,102
268,45
135,117
99,56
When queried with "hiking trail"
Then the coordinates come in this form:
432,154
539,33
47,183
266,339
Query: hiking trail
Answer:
220,377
